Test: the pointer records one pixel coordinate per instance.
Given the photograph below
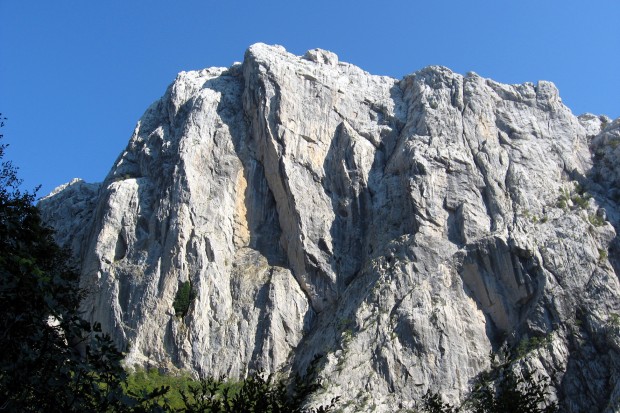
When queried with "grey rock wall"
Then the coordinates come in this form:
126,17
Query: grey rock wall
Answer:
394,231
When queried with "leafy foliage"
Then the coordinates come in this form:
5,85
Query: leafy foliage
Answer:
433,404
185,295
527,345
143,381
502,389
511,393
52,360
596,220
256,393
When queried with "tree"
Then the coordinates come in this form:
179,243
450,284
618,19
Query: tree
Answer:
255,394
185,295
511,393
51,359
501,389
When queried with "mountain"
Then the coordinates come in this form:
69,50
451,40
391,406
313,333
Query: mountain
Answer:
391,233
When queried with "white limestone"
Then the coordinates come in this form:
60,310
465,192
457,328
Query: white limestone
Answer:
399,229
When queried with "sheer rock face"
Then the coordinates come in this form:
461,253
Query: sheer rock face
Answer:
400,230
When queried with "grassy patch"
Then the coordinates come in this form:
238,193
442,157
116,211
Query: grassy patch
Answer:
145,381
596,220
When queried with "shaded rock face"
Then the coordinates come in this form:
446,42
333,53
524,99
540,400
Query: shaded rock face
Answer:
398,230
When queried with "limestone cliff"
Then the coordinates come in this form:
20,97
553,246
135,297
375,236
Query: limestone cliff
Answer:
399,229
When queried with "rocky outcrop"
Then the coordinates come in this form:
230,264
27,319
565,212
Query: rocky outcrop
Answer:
400,230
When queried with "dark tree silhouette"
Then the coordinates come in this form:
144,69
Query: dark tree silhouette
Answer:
51,359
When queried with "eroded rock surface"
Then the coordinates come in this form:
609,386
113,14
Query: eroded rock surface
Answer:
400,230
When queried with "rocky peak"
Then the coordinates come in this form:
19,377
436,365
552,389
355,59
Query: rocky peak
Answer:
398,229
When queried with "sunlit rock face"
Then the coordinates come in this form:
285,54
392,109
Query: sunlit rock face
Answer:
394,231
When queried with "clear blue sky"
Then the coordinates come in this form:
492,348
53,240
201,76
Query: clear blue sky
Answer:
75,76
